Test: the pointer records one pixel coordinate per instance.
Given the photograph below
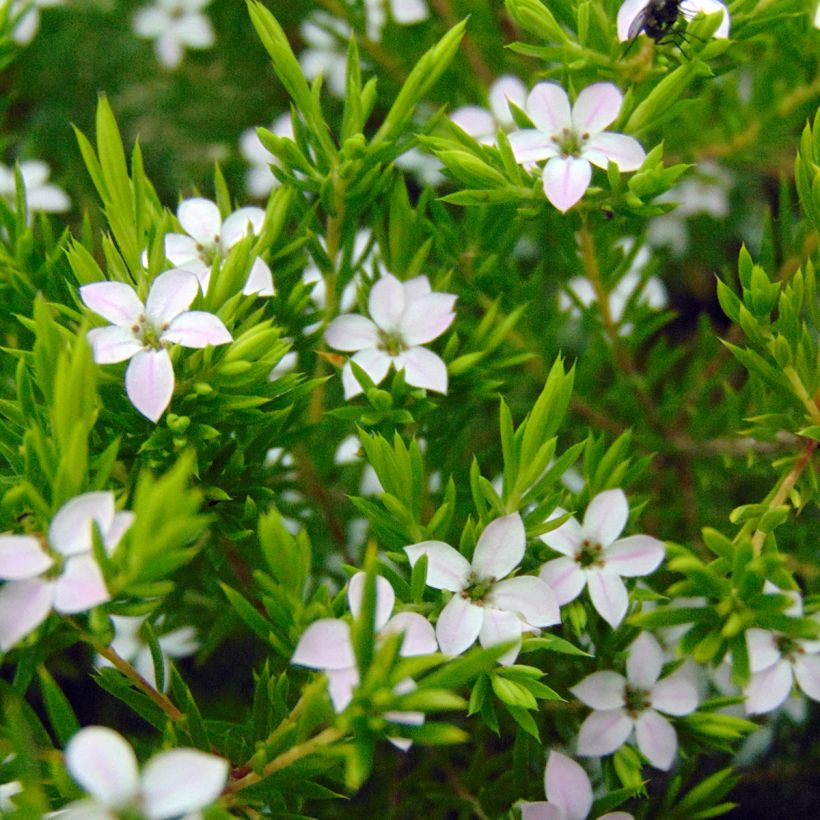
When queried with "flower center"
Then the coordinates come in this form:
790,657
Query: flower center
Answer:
788,647
149,335
590,554
477,588
391,343
570,142
636,701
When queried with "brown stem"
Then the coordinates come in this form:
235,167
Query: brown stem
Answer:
471,51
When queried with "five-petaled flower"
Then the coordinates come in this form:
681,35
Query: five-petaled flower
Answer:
65,577
208,239
171,783
485,606
405,315
569,793
142,333
594,556
175,25
635,702
688,8
572,138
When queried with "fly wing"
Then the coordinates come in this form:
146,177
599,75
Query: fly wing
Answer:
638,23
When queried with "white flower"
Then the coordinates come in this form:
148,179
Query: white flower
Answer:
41,195
635,702
405,315
594,556
208,239
65,577
7,791
425,167
25,14
483,124
349,452
484,605
129,645
175,25
142,333
260,180
777,661
326,40
402,12
571,139
688,8
326,645
171,784
569,793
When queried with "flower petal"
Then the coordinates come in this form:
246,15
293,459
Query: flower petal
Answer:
422,368
603,732
374,362
419,635
500,547
606,517
340,686
426,318
458,625
385,598
171,293
122,521
691,8
197,328
325,644
530,145
180,249
527,597
478,122
21,556
626,14
609,596
501,627
113,343
149,382
447,568
601,690
766,690
407,12
567,538
567,785
656,739
81,586
807,672
260,279
644,662
104,764
634,555
352,332
763,649
200,218
564,577
70,530
193,31
565,181
596,107
386,303
675,695
626,152
180,781
548,108
114,301
540,810
239,224
24,605
505,89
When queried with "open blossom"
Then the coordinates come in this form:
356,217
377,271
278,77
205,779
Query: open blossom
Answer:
569,793
143,333
485,605
402,12
65,575
208,239
175,25
405,315
171,783
483,124
635,702
260,180
41,195
572,138
593,555
688,8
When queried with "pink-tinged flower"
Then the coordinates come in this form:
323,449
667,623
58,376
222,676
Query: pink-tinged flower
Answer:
594,556
326,643
64,577
405,315
572,138
777,661
569,793
484,605
208,239
482,123
688,8
171,783
635,702
143,333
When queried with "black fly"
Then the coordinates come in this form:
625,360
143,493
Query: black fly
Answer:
656,19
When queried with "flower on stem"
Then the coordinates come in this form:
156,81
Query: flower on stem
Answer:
572,138
485,605
65,576
688,8
41,195
483,124
635,702
594,556
175,25
143,333
208,239
171,783
259,179
569,793
405,315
